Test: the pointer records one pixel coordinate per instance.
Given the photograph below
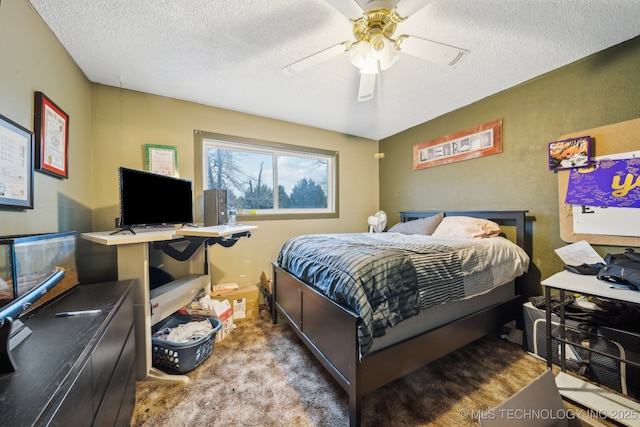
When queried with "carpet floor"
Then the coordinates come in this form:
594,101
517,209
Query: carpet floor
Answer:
262,375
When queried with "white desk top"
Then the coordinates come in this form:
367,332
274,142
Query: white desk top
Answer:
590,285
214,231
145,235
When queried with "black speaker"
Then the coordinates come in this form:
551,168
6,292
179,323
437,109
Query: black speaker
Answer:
215,207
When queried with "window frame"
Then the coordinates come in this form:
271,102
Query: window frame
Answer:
274,147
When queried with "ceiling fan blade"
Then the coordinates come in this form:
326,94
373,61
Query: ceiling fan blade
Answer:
439,53
348,8
314,59
367,86
406,8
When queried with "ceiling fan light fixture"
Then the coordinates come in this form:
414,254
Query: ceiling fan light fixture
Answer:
362,59
388,57
383,50
375,48
377,43
377,54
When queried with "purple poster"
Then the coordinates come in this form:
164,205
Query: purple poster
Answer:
608,183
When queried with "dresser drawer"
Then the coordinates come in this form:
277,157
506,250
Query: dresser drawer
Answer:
77,404
117,389
106,355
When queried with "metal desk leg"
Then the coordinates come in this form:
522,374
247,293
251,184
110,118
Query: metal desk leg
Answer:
563,345
547,303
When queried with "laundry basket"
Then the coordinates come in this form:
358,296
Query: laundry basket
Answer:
181,357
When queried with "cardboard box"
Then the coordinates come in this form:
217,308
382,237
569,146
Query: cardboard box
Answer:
244,301
222,311
537,404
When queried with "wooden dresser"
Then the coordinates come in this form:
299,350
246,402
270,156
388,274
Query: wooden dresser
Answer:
75,370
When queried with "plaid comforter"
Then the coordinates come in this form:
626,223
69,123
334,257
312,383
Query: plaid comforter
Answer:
385,281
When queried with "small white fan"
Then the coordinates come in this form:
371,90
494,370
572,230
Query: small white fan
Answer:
377,222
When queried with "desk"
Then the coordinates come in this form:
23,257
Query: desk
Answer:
133,263
74,370
589,285
618,407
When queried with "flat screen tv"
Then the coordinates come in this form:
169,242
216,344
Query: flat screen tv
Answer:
149,199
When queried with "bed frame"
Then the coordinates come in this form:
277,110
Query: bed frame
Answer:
331,332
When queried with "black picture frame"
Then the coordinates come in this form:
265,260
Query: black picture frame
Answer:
16,165
570,153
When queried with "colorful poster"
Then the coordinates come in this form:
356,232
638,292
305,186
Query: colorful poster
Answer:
607,183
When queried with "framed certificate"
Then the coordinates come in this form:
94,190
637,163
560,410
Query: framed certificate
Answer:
16,165
162,159
51,128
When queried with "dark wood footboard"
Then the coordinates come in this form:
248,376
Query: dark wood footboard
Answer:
330,331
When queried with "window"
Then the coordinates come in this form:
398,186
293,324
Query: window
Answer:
269,180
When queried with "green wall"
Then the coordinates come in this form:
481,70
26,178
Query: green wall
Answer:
33,60
599,90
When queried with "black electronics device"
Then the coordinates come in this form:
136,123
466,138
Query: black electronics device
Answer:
149,199
215,207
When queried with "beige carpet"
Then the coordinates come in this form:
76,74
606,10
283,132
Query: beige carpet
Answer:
262,375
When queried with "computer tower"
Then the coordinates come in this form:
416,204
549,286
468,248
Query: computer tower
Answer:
215,207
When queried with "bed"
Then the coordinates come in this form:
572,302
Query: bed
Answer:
365,344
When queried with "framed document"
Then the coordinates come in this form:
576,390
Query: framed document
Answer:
52,137
162,159
16,165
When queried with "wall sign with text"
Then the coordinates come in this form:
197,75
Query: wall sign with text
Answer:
477,141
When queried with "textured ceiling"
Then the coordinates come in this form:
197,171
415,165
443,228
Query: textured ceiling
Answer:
229,54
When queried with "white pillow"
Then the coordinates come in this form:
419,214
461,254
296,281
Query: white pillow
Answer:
418,226
466,227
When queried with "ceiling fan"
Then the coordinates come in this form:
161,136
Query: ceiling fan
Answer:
374,48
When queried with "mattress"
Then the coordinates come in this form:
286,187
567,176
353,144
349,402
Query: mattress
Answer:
440,315
387,278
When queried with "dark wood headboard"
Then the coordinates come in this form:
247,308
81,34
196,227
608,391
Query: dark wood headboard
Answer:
513,218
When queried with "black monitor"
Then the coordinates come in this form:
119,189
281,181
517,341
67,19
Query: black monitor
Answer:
149,199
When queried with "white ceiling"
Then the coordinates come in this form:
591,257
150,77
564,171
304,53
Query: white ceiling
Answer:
229,54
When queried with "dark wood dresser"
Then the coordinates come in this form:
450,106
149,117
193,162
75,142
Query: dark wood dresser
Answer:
75,370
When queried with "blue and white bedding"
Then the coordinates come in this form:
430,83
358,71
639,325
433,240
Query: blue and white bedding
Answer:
388,277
